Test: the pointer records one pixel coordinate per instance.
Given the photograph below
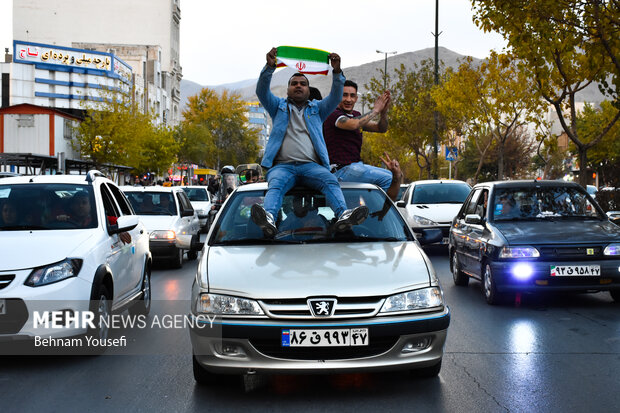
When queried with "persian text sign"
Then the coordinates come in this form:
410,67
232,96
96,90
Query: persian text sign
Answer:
64,56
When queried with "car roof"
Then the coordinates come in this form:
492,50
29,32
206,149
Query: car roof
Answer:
128,188
343,185
44,179
528,183
438,181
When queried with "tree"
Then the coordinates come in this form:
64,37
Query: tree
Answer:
116,131
604,157
214,131
496,102
565,45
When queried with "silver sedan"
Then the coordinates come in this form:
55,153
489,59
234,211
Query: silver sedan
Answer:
313,299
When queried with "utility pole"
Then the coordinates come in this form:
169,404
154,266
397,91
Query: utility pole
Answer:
435,113
385,67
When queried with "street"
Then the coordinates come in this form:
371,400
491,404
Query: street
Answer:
556,353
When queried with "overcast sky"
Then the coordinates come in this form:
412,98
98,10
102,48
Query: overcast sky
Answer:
226,41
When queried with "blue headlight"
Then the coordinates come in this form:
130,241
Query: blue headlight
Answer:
522,271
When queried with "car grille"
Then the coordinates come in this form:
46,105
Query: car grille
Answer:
16,315
272,348
345,308
571,252
5,280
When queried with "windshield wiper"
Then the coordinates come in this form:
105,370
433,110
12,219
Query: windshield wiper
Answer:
358,238
256,241
22,227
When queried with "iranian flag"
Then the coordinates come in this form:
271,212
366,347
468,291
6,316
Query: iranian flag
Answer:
304,60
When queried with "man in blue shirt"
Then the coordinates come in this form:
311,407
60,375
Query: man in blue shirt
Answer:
296,151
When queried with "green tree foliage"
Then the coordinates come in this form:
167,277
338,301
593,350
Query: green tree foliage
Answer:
116,131
565,45
493,103
214,131
604,157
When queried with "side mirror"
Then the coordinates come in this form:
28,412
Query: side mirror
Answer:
187,212
400,204
246,175
124,224
430,236
473,219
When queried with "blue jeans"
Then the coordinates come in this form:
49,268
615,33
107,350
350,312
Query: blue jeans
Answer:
284,176
360,172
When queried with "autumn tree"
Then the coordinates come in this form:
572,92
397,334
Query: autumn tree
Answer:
495,101
565,45
116,131
214,130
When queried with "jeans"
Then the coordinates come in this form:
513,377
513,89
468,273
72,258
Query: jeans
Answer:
360,172
284,176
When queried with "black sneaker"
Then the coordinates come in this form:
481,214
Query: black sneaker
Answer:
264,220
351,217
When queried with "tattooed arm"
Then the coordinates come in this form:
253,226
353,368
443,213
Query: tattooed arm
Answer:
373,121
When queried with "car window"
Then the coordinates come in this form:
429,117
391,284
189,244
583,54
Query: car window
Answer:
47,207
197,194
152,203
440,193
305,216
121,200
526,203
471,207
109,207
184,201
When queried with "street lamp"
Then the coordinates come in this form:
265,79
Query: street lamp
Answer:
385,68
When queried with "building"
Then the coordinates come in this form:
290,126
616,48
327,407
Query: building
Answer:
258,119
143,33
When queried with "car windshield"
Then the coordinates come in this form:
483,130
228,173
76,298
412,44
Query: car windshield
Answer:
197,194
440,193
152,203
47,207
528,203
305,217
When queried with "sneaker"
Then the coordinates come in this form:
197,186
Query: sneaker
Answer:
351,217
264,220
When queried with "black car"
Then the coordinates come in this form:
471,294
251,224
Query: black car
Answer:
528,236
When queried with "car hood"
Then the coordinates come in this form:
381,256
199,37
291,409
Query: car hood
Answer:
158,222
29,249
436,212
561,231
286,271
201,204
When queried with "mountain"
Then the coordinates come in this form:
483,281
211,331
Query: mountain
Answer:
359,74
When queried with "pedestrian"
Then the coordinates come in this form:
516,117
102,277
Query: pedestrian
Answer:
343,137
296,151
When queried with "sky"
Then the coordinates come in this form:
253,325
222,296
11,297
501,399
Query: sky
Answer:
226,41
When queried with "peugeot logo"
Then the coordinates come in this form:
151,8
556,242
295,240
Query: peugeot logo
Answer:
322,307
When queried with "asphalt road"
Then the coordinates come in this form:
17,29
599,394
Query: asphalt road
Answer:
544,354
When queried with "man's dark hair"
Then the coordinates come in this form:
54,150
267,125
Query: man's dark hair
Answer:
351,84
297,75
315,94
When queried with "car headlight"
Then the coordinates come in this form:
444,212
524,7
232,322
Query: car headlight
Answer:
166,235
54,272
227,305
423,221
612,249
519,252
414,300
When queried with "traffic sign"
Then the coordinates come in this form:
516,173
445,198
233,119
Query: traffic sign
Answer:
451,153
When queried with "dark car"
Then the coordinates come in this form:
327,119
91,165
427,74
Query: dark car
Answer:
529,236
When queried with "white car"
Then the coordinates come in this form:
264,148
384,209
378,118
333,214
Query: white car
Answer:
170,219
433,204
313,300
201,201
65,250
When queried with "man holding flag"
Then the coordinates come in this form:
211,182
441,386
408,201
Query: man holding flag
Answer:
296,151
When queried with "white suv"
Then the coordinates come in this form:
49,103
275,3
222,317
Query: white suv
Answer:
170,219
70,244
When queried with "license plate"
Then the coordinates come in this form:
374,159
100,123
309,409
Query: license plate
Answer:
325,338
2,306
575,270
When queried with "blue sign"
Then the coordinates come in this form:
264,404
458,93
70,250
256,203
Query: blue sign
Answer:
451,153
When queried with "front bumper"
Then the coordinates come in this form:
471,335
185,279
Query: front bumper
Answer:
541,279
255,346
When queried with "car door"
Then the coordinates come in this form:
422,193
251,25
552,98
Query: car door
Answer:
478,234
463,230
193,223
139,238
119,257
